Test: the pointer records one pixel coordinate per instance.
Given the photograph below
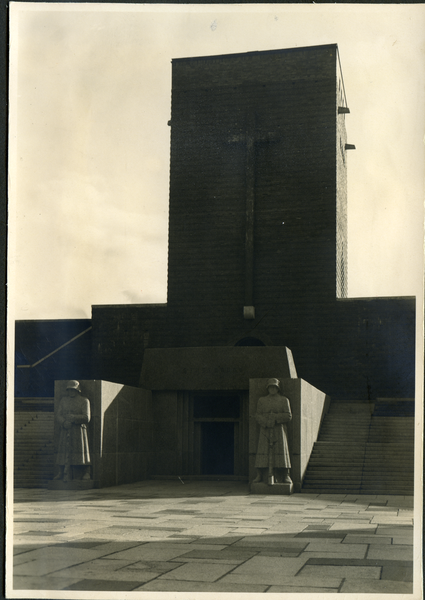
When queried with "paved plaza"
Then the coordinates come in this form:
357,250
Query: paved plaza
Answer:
211,536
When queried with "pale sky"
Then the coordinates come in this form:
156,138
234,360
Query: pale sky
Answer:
89,143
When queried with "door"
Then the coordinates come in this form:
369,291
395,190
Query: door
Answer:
220,433
217,448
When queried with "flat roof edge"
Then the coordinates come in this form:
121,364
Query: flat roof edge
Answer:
153,304
254,53
62,320
372,298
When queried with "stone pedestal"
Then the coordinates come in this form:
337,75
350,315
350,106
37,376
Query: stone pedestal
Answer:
74,484
280,489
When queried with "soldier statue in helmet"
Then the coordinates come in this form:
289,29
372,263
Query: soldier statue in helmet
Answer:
73,452
272,461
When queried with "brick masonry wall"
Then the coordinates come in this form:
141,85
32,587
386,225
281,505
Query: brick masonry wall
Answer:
119,337
293,102
34,340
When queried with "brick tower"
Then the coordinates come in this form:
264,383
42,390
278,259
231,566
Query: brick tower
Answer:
257,187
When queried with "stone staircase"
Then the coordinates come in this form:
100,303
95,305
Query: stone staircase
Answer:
33,449
389,459
361,452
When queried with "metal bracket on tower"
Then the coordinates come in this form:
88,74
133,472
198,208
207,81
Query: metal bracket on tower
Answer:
249,312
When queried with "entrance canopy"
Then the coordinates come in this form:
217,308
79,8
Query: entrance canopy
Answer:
213,368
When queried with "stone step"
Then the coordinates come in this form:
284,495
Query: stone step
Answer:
337,465
351,407
33,449
335,449
327,472
328,464
332,454
47,475
27,442
32,452
383,457
388,455
27,430
334,480
30,443
358,491
333,489
35,484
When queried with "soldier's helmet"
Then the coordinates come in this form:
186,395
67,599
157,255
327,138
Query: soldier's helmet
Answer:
73,385
275,382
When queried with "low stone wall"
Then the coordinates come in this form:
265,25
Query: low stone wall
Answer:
120,431
308,406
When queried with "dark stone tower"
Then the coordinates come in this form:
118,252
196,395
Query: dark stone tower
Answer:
257,188
258,231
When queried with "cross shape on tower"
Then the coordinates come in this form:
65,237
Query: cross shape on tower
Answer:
251,138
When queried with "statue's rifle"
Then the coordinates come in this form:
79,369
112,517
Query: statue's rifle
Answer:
271,452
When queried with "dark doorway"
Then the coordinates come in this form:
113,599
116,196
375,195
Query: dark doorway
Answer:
217,433
217,448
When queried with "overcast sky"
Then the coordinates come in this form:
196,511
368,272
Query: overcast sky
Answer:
89,141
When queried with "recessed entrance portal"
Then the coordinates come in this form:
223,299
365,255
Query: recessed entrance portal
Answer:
219,433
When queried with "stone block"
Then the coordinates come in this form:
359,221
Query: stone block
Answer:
279,489
308,407
127,435
124,469
145,436
114,430
109,434
165,463
205,368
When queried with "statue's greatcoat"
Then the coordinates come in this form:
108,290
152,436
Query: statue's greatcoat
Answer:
273,412
73,443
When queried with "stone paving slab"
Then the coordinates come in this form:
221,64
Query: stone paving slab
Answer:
292,589
102,585
199,586
317,550
402,540
351,586
319,582
43,583
393,552
206,571
211,537
343,572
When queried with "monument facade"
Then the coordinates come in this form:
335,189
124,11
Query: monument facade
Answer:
257,268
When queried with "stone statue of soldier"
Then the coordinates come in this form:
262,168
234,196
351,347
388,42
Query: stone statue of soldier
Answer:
73,417
272,461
